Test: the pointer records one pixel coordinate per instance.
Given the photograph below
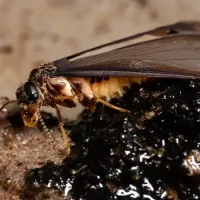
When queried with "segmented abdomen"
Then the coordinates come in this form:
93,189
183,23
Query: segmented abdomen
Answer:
112,87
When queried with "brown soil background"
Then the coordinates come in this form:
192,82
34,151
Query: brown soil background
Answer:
37,31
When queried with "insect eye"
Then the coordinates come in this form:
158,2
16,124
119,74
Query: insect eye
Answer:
31,91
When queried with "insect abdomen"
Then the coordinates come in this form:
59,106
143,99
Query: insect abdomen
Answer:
113,86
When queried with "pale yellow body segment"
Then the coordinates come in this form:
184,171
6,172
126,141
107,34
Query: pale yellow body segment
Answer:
85,90
114,86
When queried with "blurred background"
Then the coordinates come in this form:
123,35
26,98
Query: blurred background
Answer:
37,31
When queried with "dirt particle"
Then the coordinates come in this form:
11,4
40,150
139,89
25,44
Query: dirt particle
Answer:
143,3
102,27
55,38
6,49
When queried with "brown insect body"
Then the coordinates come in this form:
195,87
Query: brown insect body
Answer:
85,90
173,53
69,91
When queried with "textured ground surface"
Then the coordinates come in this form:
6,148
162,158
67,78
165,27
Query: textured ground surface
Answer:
32,32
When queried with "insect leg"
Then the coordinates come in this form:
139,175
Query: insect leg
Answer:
89,103
65,137
111,106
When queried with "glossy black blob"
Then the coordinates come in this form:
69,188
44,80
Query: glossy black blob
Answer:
136,156
31,91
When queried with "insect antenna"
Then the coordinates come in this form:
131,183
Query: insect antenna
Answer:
40,119
5,104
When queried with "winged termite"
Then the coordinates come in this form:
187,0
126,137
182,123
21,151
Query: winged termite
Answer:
174,53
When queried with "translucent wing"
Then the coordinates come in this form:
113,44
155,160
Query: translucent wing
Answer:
162,31
171,56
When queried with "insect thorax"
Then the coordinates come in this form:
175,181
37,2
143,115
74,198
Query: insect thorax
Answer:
39,75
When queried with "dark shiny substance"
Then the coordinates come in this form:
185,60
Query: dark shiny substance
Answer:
31,91
132,156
